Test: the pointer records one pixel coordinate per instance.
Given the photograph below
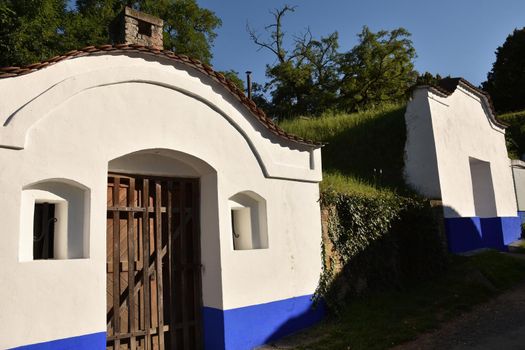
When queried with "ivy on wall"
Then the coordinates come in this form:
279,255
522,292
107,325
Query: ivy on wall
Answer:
376,242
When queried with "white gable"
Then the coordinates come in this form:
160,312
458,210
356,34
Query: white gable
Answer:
460,137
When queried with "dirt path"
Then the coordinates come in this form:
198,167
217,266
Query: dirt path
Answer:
498,324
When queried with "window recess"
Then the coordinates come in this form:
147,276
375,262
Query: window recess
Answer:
248,221
54,221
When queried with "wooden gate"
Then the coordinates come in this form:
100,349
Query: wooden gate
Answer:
153,264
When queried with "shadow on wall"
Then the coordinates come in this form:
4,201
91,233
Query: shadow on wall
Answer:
310,315
469,233
248,327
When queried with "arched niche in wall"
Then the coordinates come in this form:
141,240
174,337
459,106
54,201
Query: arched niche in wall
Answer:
482,188
248,221
54,220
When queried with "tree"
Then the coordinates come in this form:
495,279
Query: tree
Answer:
188,28
7,25
311,76
30,30
233,76
428,78
379,69
34,30
304,79
260,97
505,82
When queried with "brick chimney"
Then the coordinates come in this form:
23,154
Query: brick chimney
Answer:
135,27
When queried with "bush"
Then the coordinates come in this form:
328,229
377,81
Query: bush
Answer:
375,242
515,133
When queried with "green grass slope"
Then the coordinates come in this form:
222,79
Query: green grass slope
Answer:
365,150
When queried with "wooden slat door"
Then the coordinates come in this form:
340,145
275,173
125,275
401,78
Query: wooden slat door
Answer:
154,287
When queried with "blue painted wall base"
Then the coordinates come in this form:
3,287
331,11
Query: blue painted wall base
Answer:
96,341
470,233
521,214
247,327
236,329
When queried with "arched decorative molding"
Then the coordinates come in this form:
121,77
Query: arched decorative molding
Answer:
167,56
13,133
16,125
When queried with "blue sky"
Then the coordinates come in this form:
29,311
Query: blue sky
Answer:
456,37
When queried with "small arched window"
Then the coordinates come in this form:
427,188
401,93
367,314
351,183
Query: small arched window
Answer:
54,221
248,221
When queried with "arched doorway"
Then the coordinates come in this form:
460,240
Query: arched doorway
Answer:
153,258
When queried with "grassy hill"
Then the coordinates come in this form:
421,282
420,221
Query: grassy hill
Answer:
365,150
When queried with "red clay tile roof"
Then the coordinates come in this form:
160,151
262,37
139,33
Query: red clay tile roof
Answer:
8,72
447,86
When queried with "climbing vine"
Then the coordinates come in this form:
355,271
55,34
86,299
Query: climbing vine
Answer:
376,241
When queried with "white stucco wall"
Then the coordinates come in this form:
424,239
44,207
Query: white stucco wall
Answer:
420,170
462,133
71,120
